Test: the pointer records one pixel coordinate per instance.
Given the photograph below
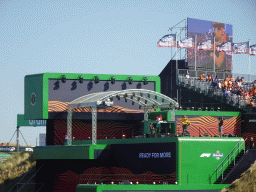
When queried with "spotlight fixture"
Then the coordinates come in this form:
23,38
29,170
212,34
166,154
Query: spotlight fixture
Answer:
96,79
141,94
132,102
145,81
118,97
111,98
146,101
113,80
125,95
81,79
133,94
148,95
130,80
140,107
63,79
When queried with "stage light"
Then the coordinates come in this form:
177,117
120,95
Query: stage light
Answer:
133,94
125,95
199,109
140,107
193,108
206,108
218,109
145,81
148,95
113,80
63,79
141,94
111,98
118,97
130,80
81,79
96,79
132,102
137,182
146,101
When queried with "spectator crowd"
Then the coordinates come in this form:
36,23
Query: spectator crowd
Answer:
236,88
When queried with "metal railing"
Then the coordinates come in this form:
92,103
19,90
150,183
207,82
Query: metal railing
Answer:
222,166
208,89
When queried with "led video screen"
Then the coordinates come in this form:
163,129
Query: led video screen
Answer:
205,33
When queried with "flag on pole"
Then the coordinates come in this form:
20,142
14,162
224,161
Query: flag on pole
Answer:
167,41
224,47
205,45
186,42
253,49
241,48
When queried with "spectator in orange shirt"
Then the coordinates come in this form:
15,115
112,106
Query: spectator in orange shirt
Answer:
254,91
208,78
227,78
232,78
201,77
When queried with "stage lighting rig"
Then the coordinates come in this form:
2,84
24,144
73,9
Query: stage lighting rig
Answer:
63,79
96,79
81,79
130,80
113,80
145,81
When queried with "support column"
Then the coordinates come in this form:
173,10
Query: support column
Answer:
17,139
94,125
145,114
69,127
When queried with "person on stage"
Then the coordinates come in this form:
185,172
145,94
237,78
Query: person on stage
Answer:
185,123
251,143
221,126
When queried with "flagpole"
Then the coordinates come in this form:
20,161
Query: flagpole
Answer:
214,69
176,60
249,62
195,53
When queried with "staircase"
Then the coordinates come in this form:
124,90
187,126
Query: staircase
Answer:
230,168
229,163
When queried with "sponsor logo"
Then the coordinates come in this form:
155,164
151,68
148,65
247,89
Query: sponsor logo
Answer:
33,99
217,154
7,148
205,155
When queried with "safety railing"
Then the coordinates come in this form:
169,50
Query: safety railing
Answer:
207,88
231,156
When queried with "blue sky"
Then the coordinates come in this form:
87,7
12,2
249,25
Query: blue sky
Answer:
104,37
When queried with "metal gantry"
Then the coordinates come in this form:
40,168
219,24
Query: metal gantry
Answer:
146,98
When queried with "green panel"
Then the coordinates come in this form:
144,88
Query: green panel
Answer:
127,141
33,84
195,169
62,152
208,113
142,187
38,84
95,147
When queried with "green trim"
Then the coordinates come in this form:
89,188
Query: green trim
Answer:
44,82
208,113
147,187
95,147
